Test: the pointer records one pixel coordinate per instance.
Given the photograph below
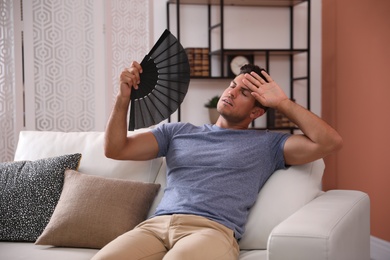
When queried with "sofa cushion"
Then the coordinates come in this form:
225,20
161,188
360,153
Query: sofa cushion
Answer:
29,192
30,251
285,192
94,210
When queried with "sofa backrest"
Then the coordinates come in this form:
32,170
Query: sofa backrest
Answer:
33,145
284,193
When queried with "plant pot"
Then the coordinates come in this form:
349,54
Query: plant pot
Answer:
213,115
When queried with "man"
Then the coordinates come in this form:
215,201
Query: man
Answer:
214,172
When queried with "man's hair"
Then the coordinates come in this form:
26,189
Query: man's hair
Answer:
248,68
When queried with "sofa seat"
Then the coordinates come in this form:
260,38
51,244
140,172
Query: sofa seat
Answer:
29,251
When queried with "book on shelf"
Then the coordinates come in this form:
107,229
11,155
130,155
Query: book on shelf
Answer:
276,119
198,59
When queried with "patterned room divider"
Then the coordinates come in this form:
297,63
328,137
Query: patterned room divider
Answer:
73,54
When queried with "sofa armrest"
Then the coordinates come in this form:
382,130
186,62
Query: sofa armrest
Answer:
335,225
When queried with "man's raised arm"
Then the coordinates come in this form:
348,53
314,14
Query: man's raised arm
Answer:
318,140
118,145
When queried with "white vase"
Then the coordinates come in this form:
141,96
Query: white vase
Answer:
213,115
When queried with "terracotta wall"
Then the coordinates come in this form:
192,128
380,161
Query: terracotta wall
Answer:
356,100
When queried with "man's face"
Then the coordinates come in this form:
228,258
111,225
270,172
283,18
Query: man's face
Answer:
236,103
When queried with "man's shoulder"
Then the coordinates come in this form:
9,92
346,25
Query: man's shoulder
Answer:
179,126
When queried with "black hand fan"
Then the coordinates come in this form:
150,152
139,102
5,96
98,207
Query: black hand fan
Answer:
163,83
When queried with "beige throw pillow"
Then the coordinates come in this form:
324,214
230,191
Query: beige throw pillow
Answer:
94,210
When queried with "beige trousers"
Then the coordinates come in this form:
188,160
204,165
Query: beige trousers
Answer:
173,237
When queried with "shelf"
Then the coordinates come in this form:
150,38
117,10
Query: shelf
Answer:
211,77
273,3
230,78
272,52
277,129
219,56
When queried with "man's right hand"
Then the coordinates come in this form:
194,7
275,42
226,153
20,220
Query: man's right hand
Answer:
129,78
117,145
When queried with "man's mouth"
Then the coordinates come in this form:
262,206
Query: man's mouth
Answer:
227,101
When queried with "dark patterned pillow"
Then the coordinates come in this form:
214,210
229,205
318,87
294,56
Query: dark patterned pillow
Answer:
29,192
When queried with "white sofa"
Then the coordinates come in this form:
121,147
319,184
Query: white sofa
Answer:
292,218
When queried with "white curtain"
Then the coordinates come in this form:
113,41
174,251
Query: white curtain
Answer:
73,53
11,110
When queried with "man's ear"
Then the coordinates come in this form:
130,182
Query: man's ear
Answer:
257,112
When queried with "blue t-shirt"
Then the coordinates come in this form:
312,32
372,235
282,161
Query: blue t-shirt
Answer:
215,172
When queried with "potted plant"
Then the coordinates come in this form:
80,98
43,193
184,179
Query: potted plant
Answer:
212,106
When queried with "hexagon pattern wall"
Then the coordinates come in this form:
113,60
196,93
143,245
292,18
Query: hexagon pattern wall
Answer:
61,43
64,69
7,82
132,17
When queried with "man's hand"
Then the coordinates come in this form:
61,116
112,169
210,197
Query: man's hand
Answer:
269,93
117,145
318,139
129,78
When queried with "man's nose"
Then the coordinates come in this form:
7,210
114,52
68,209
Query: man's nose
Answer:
232,93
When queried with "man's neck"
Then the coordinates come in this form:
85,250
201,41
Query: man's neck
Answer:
223,123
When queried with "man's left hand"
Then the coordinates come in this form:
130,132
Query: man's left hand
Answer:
269,93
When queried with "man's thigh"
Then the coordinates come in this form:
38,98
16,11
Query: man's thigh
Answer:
135,244
212,241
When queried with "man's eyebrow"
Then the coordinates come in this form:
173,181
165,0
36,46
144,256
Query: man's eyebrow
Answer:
245,88
234,83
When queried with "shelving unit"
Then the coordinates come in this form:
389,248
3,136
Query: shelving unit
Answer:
221,53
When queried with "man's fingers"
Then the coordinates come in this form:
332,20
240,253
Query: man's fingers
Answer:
135,70
249,84
137,66
256,77
130,77
266,75
252,79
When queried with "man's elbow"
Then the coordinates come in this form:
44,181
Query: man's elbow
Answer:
108,153
111,152
336,144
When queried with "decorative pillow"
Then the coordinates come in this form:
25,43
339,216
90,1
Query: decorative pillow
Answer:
94,210
29,192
